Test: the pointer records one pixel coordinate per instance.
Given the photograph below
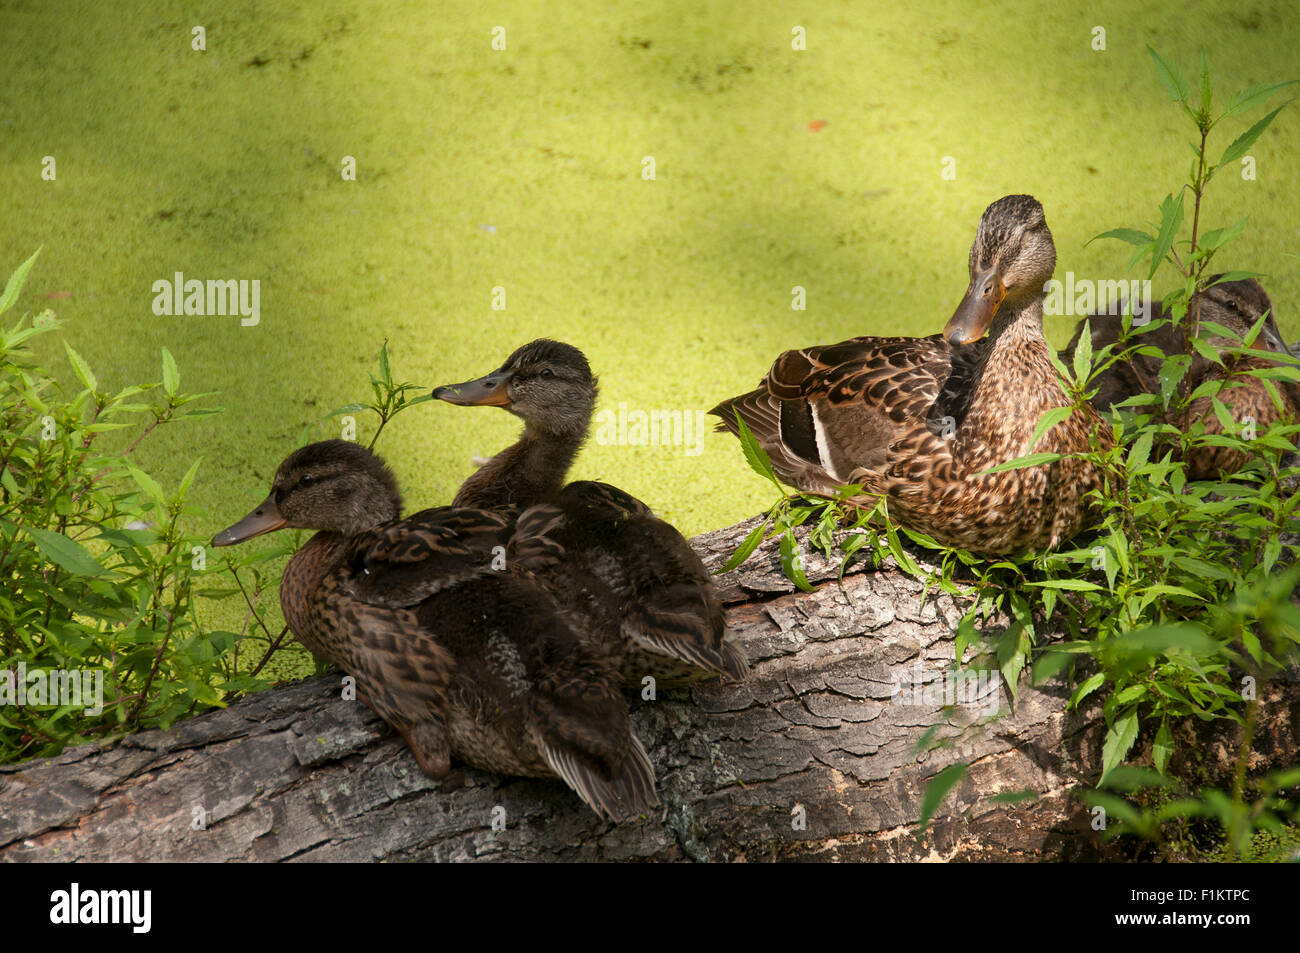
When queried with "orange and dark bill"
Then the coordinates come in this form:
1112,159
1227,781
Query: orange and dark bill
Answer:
975,313
488,391
265,519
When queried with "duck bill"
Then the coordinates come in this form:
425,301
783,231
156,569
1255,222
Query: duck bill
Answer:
975,313
1270,338
265,519
487,391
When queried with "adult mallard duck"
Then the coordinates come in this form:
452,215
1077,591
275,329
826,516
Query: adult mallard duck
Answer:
1234,305
462,660
630,579
917,420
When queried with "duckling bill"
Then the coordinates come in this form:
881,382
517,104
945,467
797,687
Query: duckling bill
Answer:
460,659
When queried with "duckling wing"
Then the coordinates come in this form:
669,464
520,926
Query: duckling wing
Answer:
598,533
542,535
580,725
534,544
530,694
403,562
404,675
823,412
602,501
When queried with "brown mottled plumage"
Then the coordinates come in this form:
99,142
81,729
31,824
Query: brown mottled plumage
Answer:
1236,306
628,579
462,660
917,419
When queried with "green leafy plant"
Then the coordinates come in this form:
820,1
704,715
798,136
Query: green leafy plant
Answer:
98,625
1258,821
389,397
99,622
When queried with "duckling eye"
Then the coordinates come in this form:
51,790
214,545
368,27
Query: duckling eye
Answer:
1232,305
305,479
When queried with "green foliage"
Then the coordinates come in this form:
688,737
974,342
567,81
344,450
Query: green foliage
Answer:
1177,602
100,578
1261,824
937,790
1190,607
389,397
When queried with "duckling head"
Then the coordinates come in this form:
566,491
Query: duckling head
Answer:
333,485
1011,261
1238,305
547,383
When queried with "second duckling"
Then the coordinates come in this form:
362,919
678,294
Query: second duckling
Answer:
631,578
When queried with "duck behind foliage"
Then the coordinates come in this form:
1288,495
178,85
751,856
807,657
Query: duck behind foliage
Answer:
1237,306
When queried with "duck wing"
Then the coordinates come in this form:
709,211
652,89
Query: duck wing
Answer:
823,412
544,535
404,674
403,562
535,695
664,595
481,664
580,724
627,792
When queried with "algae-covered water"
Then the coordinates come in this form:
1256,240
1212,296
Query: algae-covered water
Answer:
525,169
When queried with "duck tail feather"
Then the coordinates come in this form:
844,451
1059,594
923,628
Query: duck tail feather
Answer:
627,792
684,633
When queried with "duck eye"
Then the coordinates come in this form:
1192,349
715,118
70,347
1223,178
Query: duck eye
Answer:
1232,305
305,479
546,372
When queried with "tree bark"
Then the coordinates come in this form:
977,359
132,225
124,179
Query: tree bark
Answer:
813,758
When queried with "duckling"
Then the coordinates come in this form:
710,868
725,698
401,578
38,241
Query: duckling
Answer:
631,580
460,659
918,420
1235,305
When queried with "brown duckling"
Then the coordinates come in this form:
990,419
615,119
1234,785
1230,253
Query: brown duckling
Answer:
630,579
460,659
1236,306
917,420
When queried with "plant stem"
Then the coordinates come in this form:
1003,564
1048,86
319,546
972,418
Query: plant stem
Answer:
157,662
1192,327
1237,834
269,652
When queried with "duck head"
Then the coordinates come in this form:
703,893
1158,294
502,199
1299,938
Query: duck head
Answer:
1012,258
547,383
1238,305
333,485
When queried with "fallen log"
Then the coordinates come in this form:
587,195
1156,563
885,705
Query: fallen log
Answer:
824,754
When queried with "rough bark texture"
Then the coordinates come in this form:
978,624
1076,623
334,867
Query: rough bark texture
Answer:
812,759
